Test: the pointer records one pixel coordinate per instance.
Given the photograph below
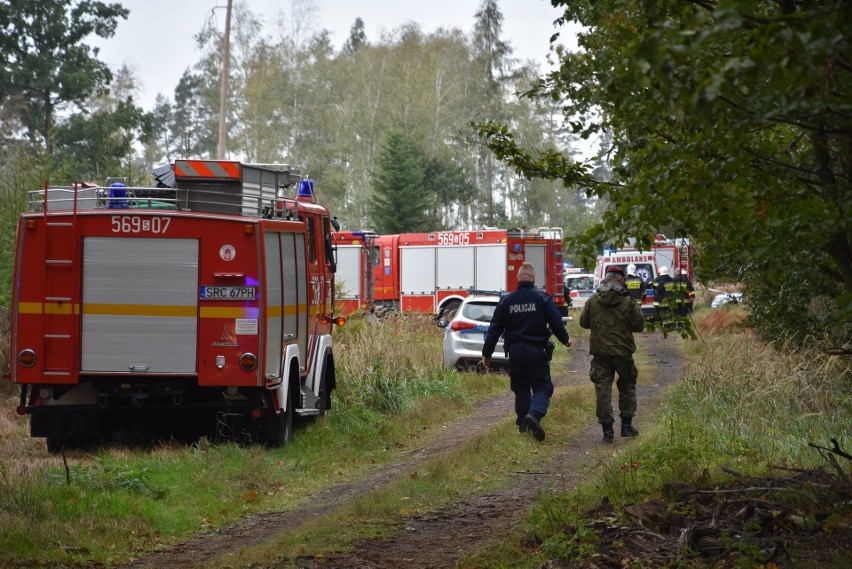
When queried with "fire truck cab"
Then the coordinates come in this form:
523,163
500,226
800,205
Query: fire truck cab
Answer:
205,301
355,260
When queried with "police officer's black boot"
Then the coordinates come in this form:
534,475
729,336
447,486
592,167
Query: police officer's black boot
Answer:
628,430
608,433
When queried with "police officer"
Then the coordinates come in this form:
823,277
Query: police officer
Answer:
663,287
635,284
526,318
613,316
683,291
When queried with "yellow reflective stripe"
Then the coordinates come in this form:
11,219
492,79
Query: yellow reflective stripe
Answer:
228,312
58,308
293,309
29,308
152,310
273,312
139,310
48,308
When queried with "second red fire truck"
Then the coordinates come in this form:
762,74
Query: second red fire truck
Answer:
433,272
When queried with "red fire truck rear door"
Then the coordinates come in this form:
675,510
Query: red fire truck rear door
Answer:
140,305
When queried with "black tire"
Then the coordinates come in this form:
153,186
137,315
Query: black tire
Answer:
322,398
327,385
285,420
448,312
279,428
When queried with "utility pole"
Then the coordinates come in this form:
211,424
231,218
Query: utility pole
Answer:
223,92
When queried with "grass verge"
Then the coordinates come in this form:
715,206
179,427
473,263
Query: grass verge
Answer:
112,505
745,409
109,506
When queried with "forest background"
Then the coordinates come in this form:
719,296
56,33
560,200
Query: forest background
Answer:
726,122
332,114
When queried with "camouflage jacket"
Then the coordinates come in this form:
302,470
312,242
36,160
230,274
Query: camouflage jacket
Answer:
613,316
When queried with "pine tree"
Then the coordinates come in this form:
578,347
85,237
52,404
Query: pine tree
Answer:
400,201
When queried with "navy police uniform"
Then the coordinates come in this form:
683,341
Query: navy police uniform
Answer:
525,318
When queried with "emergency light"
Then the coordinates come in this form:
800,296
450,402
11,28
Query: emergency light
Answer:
118,197
306,191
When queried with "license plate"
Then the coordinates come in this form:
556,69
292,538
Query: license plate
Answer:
209,292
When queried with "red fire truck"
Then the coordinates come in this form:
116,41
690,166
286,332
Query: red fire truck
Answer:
433,272
210,303
675,254
355,255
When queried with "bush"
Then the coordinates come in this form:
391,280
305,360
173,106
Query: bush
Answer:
793,300
6,387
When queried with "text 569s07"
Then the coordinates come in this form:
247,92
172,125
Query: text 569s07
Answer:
139,224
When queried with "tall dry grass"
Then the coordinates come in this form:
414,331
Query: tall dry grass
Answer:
762,403
383,365
16,446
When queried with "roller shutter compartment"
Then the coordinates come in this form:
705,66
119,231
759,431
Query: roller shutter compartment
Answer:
140,305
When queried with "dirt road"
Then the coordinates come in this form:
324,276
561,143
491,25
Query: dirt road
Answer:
440,539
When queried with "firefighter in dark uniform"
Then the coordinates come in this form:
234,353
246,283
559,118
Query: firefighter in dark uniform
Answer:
636,285
526,318
613,316
683,292
663,287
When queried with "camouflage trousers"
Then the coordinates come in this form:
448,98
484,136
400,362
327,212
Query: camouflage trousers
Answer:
602,374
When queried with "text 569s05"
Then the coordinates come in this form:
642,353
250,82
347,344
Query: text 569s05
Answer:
453,238
139,224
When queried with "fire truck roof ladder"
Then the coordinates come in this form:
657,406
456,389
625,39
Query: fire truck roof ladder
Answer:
538,233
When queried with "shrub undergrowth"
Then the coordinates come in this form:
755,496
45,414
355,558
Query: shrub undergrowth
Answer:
744,405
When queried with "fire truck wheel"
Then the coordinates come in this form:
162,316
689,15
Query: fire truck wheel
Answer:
279,428
285,422
323,396
449,311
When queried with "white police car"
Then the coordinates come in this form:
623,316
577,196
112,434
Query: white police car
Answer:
465,334
579,287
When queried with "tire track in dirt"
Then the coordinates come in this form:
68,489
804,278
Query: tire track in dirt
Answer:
438,539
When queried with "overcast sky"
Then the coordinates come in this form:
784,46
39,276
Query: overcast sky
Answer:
156,40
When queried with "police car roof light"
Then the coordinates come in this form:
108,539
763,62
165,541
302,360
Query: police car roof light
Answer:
477,291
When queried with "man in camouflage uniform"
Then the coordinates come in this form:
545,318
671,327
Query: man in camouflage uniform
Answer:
613,316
